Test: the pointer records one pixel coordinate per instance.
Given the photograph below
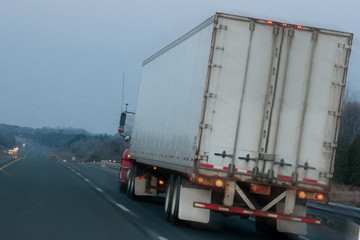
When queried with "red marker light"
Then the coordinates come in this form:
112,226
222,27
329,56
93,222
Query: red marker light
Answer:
320,197
269,22
302,194
284,25
298,26
219,183
200,180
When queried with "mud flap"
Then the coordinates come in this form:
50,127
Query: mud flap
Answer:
140,187
291,226
187,198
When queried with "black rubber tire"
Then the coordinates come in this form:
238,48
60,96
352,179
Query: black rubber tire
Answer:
131,183
174,211
168,198
122,185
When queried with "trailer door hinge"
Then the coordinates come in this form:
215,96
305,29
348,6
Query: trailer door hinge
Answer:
326,175
341,66
334,113
206,126
339,84
345,46
203,158
210,95
219,26
214,65
330,144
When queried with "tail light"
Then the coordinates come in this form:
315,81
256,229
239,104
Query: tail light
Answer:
302,194
320,197
219,183
200,180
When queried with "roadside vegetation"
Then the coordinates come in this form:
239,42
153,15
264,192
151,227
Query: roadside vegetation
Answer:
67,143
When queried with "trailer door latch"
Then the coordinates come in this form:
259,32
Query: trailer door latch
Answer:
223,154
282,163
306,166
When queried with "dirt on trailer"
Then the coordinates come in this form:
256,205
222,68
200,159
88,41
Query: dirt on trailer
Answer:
345,194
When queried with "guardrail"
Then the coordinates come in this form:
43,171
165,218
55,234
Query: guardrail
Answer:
344,218
106,164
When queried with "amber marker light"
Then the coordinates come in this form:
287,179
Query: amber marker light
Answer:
219,183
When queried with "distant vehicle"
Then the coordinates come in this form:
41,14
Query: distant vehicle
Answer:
240,116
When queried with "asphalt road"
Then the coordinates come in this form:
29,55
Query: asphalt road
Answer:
45,199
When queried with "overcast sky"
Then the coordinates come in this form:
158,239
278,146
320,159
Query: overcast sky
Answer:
62,61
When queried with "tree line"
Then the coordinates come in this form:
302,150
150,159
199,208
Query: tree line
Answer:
347,162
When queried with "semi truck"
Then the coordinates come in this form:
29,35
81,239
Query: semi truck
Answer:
239,116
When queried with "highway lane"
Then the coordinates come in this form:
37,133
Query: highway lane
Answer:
40,199
219,227
44,199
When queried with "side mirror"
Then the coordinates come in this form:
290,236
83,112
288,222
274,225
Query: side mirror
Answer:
122,119
122,122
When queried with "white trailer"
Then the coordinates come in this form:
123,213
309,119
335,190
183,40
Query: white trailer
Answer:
240,115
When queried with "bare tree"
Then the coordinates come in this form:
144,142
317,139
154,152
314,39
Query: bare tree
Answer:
350,118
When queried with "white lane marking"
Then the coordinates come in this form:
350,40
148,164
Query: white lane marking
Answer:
122,207
78,174
86,180
162,238
99,189
304,238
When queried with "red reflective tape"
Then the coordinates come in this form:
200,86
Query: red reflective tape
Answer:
236,210
141,177
308,220
206,165
283,217
236,169
284,177
226,168
250,172
309,180
211,207
260,214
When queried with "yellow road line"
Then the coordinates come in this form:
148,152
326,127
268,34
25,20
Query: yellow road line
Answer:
5,166
10,163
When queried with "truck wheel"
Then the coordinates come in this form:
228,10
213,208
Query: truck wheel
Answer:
169,196
122,185
131,183
174,211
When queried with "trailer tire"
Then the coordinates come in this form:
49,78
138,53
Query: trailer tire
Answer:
168,199
174,211
131,183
